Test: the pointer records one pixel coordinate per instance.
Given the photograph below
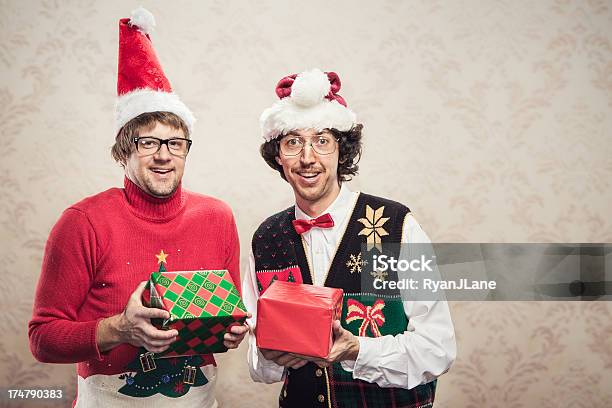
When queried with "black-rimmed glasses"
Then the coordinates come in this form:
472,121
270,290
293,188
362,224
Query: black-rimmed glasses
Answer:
149,145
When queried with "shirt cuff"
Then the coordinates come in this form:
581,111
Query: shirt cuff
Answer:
271,372
366,358
348,365
94,340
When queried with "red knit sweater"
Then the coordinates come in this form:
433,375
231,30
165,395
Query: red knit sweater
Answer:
102,248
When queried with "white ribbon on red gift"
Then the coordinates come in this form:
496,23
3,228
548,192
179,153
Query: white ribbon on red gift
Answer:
371,315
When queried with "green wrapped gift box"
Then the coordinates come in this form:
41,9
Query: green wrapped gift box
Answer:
202,305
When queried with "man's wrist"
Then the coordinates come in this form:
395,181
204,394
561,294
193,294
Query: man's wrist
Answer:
353,349
108,334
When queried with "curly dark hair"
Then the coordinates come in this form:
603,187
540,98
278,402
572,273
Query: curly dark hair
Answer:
349,143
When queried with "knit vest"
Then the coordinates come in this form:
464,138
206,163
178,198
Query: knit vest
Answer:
279,255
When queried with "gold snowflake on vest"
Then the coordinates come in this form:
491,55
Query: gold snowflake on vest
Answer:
373,227
355,263
380,274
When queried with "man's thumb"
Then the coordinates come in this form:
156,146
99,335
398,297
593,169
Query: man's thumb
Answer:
337,329
137,294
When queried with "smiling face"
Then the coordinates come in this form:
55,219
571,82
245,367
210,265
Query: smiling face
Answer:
314,177
158,174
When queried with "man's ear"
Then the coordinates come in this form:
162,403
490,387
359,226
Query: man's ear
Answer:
278,160
122,162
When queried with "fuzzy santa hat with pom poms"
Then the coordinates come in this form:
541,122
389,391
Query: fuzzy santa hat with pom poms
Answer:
142,85
308,100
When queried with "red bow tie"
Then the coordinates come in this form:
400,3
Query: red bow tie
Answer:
302,226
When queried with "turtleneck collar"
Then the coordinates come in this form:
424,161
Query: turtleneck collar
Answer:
153,208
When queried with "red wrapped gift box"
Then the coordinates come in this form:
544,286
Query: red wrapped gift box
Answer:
298,318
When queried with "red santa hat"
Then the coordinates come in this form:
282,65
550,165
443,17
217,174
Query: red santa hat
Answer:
308,100
142,85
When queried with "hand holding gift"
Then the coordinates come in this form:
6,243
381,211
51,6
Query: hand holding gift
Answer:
134,327
345,347
297,323
283,358
235,334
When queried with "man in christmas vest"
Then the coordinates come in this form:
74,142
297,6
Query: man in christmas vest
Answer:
88,307
387,352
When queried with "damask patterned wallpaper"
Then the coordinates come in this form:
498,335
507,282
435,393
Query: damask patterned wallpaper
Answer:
490,119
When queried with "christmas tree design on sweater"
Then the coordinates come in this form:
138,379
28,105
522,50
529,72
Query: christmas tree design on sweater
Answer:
172,377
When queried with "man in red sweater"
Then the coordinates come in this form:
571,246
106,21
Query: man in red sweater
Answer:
88,307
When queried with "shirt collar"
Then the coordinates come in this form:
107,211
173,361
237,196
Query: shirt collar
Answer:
337,209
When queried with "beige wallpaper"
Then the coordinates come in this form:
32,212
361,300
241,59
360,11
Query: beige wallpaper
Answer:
490,119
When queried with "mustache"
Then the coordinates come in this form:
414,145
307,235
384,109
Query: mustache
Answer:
308,169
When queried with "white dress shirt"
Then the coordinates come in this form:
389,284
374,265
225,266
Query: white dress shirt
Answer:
420,354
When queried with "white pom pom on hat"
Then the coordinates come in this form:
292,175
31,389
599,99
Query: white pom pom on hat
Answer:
308,100
310,87
143,19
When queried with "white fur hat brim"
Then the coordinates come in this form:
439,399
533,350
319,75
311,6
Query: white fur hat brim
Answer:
285,116
139,101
